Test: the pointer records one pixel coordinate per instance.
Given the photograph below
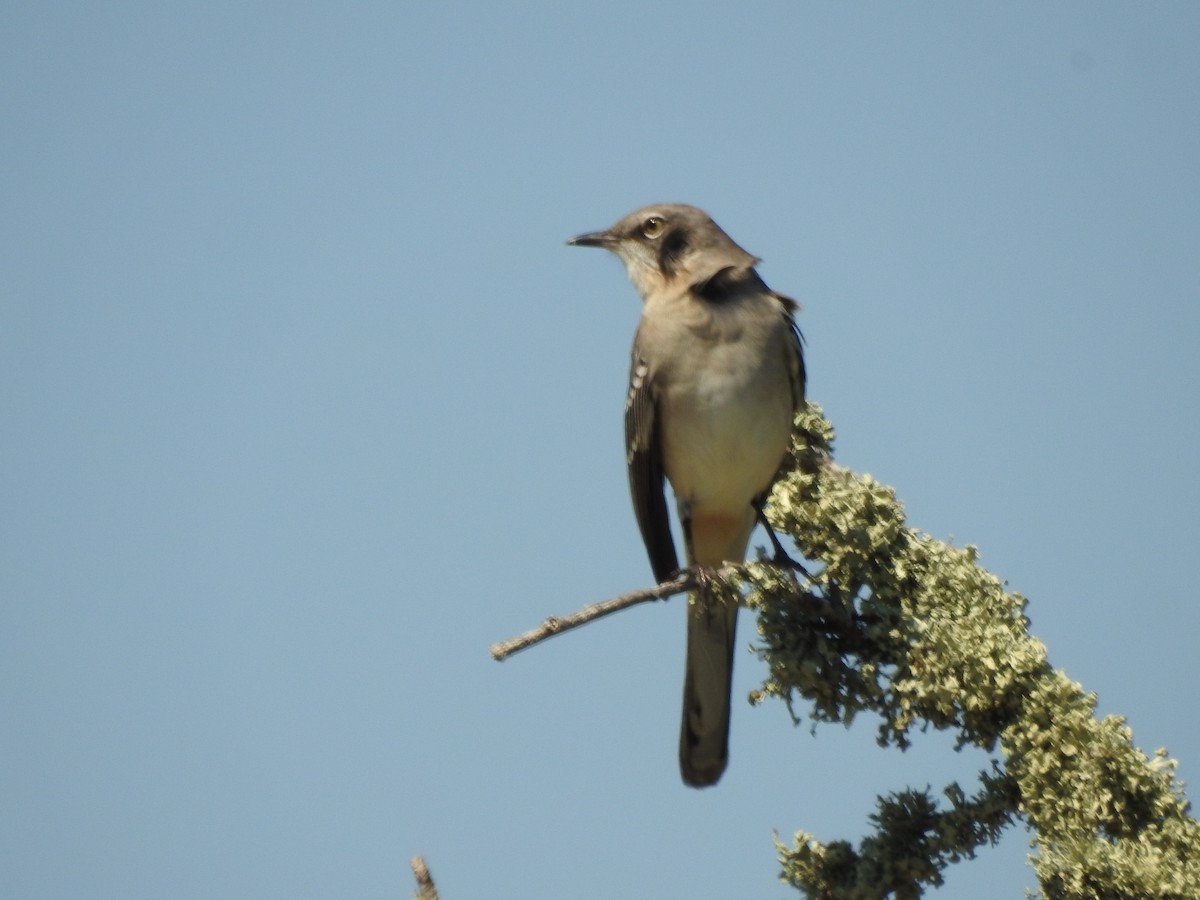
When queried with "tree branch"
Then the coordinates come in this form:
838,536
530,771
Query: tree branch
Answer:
558,624
915,631
939,641
426,890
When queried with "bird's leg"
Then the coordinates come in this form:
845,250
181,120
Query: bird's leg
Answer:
703,574
781,557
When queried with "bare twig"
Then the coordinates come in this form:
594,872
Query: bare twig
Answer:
558,624
687,580
426,890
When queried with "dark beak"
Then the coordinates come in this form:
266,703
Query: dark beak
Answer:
593,239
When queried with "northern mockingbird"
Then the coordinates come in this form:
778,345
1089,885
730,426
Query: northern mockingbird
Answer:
716,378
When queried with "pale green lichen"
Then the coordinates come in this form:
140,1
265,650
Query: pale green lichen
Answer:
913,630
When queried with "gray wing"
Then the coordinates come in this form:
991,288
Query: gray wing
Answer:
795,349
726,283
643,456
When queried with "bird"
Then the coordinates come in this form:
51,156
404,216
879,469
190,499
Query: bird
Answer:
716,378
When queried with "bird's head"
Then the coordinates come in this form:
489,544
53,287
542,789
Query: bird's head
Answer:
668,245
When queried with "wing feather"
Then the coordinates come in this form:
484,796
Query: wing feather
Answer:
643,456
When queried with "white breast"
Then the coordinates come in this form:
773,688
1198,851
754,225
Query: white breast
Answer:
726,408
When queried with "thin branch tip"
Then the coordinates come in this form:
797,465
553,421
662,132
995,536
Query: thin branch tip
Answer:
426,889
553,625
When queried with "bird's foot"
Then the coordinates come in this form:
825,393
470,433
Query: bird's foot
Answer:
702,575
780,557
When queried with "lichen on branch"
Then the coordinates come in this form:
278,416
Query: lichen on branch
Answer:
899,624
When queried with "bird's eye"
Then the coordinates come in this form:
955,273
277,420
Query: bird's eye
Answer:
653,227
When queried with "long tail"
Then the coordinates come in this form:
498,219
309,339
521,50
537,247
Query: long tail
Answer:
710,539
707,685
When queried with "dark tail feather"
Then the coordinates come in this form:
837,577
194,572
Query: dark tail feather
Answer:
707,684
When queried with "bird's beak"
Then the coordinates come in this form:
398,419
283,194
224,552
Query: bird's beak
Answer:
594,239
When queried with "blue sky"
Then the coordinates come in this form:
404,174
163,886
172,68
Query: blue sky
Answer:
305,403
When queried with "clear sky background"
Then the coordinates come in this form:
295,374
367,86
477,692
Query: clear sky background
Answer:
305,403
